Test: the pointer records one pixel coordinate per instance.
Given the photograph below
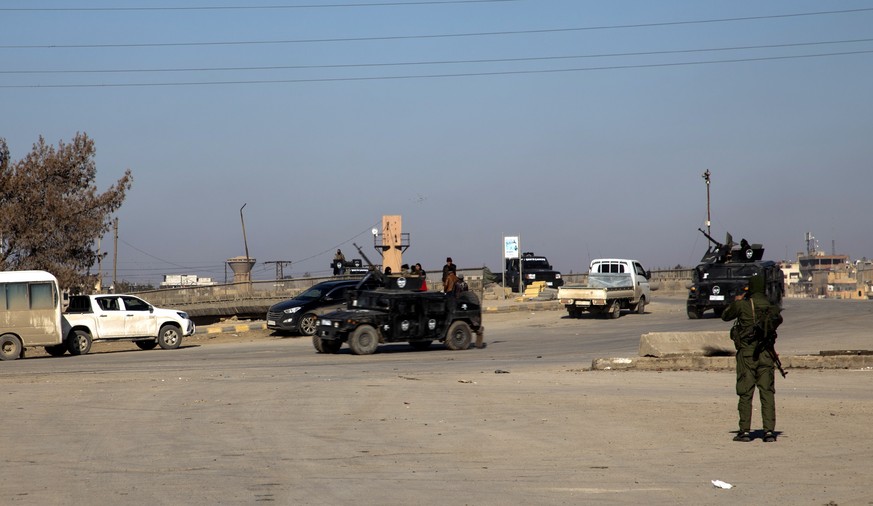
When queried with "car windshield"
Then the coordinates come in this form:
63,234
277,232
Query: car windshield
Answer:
536,263
313,293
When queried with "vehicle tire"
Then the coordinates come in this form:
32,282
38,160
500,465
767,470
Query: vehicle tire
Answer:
56,350
420,345
694,313
331,346
79,342
318,344
641,306
615,310
364,340
459,336
146,344
170,337
10,347
308,324
718,311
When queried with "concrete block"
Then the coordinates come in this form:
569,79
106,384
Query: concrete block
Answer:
672,344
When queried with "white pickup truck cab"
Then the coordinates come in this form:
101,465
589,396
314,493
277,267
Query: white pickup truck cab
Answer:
613,284
117,317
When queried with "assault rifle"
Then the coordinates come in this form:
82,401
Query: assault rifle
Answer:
767,340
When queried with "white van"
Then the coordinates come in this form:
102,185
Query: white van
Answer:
30,313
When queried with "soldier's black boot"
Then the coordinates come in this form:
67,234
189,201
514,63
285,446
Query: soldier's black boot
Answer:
769,437
743,436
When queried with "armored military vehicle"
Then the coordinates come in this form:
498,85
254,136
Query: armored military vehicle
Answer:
724,272
531,268
399,311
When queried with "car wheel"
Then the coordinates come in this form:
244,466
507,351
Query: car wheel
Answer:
459,336
615,310
10,347
420,345
364,340
318,344
694,313
641,306
57,350
146,345
79,342
308,324
170,337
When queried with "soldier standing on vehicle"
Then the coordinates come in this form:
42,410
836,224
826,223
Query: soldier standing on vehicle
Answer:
753,334
449,283
447,268
339,263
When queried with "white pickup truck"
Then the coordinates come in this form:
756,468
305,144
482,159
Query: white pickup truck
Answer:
613,284
116,317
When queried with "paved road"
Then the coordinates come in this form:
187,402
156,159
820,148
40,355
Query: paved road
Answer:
256,418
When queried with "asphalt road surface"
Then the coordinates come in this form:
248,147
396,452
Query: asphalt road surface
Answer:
255,418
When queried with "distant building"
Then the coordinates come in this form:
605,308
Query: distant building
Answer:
184,280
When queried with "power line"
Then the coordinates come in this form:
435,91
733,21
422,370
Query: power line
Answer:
246,7
436,76
426,36
435,62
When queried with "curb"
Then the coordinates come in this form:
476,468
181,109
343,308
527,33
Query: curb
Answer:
219,329
524,306
699,363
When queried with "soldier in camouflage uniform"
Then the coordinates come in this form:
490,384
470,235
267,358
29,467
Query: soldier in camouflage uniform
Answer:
754,362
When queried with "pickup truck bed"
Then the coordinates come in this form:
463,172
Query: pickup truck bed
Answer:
604,294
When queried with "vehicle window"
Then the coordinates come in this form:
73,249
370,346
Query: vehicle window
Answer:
536,263
108,303
338,293
134,304
79,304
16,296
640,270
41,296
311,294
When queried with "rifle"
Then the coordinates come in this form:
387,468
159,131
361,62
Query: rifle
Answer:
767,340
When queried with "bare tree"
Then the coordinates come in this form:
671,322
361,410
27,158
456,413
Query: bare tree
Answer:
51,214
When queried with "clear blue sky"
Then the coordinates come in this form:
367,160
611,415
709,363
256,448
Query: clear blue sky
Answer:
472,120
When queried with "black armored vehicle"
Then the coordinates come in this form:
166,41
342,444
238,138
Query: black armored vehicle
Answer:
724,272
531,268
399,311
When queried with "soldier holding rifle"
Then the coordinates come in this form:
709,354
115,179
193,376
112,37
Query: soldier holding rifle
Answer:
754,334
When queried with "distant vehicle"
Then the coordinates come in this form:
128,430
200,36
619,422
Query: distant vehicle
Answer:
531,268
116,317
724,272
30,313
300,314
613,284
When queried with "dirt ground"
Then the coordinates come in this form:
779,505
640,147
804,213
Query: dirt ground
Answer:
248,417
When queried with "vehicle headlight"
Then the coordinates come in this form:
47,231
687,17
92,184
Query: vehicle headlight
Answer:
291,310
530,276
558,276
182,314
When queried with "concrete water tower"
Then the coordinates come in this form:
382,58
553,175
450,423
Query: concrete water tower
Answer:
242,268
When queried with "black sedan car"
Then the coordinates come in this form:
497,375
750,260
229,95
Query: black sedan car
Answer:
300,314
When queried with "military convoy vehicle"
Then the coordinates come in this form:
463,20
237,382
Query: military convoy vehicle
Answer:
399,311
724,272
530,268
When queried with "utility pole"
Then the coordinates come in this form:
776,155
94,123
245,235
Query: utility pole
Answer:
708,220
245,242
280,267
115,260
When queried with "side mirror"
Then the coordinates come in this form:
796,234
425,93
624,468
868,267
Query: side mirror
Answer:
151,308
648,274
